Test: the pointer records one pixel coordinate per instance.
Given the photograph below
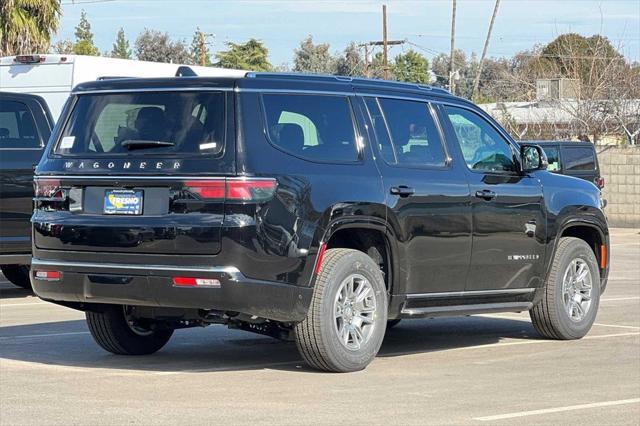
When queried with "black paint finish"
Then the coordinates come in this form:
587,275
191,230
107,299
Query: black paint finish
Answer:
441,237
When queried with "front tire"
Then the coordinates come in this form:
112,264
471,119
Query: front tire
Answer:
572,293
346,321
114,332
17,275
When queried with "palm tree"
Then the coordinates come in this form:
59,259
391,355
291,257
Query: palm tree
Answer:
26,26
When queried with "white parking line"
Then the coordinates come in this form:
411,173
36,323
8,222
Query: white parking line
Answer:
613,299
631,327
2,305
32,336
557,410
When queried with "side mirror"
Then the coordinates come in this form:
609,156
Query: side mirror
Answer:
532,158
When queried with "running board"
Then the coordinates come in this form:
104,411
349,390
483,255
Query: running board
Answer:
483,308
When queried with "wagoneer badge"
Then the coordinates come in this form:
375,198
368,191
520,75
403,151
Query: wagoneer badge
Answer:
122,165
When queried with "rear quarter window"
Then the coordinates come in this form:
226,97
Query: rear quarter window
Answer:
578,159
312,127
17,126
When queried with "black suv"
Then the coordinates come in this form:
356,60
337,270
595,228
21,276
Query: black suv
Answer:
571,158
313,208
25,126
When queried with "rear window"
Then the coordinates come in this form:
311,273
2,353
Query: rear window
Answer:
578,159
313,127
164,123
17,126
553,158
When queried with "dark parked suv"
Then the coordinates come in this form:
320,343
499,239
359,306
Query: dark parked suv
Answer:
572,158
25,126
313,208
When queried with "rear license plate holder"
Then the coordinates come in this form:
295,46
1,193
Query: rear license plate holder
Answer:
123,202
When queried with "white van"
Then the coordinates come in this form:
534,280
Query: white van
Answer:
54,76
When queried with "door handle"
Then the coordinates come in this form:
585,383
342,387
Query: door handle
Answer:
485,194
402,190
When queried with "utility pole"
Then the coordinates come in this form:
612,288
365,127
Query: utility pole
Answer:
202,47
366,60
484,51
385,48
385,43
453,38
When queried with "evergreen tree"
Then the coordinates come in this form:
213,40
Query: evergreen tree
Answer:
252,55
121,46
84,38
411,67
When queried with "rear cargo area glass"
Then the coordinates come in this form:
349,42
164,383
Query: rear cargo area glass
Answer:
142,124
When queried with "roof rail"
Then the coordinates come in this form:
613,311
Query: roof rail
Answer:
185,71
346,79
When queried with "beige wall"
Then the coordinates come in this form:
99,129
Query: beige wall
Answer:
620,167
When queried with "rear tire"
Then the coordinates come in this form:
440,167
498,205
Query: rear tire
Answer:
346,321
17,275
113,332
571,296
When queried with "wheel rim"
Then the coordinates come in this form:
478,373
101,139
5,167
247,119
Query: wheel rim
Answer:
354,310
133,325
576,289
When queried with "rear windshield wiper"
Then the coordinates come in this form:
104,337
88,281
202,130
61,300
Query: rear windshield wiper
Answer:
143,144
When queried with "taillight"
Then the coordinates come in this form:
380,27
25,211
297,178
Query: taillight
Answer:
195,282
48,188
599,182
250,189
29,59
47,275
207,189
235,189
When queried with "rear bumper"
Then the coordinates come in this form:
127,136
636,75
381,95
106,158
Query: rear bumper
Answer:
152,285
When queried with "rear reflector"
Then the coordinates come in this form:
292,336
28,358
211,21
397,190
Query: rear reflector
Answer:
603,256
47,275
599,182
323,248
195,282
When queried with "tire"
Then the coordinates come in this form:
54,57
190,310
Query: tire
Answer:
551,316
17,274
393,323
332,310
111,330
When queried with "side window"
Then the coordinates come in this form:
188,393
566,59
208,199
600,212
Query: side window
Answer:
482,146
315,127
578,158
17,126
553,157
414,134
385,148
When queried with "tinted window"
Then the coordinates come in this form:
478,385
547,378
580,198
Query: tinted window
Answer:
553,157
578,158
145,123
385,148
311,126
17,126
414,135
482,146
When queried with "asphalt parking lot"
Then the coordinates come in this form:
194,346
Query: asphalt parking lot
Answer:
491,369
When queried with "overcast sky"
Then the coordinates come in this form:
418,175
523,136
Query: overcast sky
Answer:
281,24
